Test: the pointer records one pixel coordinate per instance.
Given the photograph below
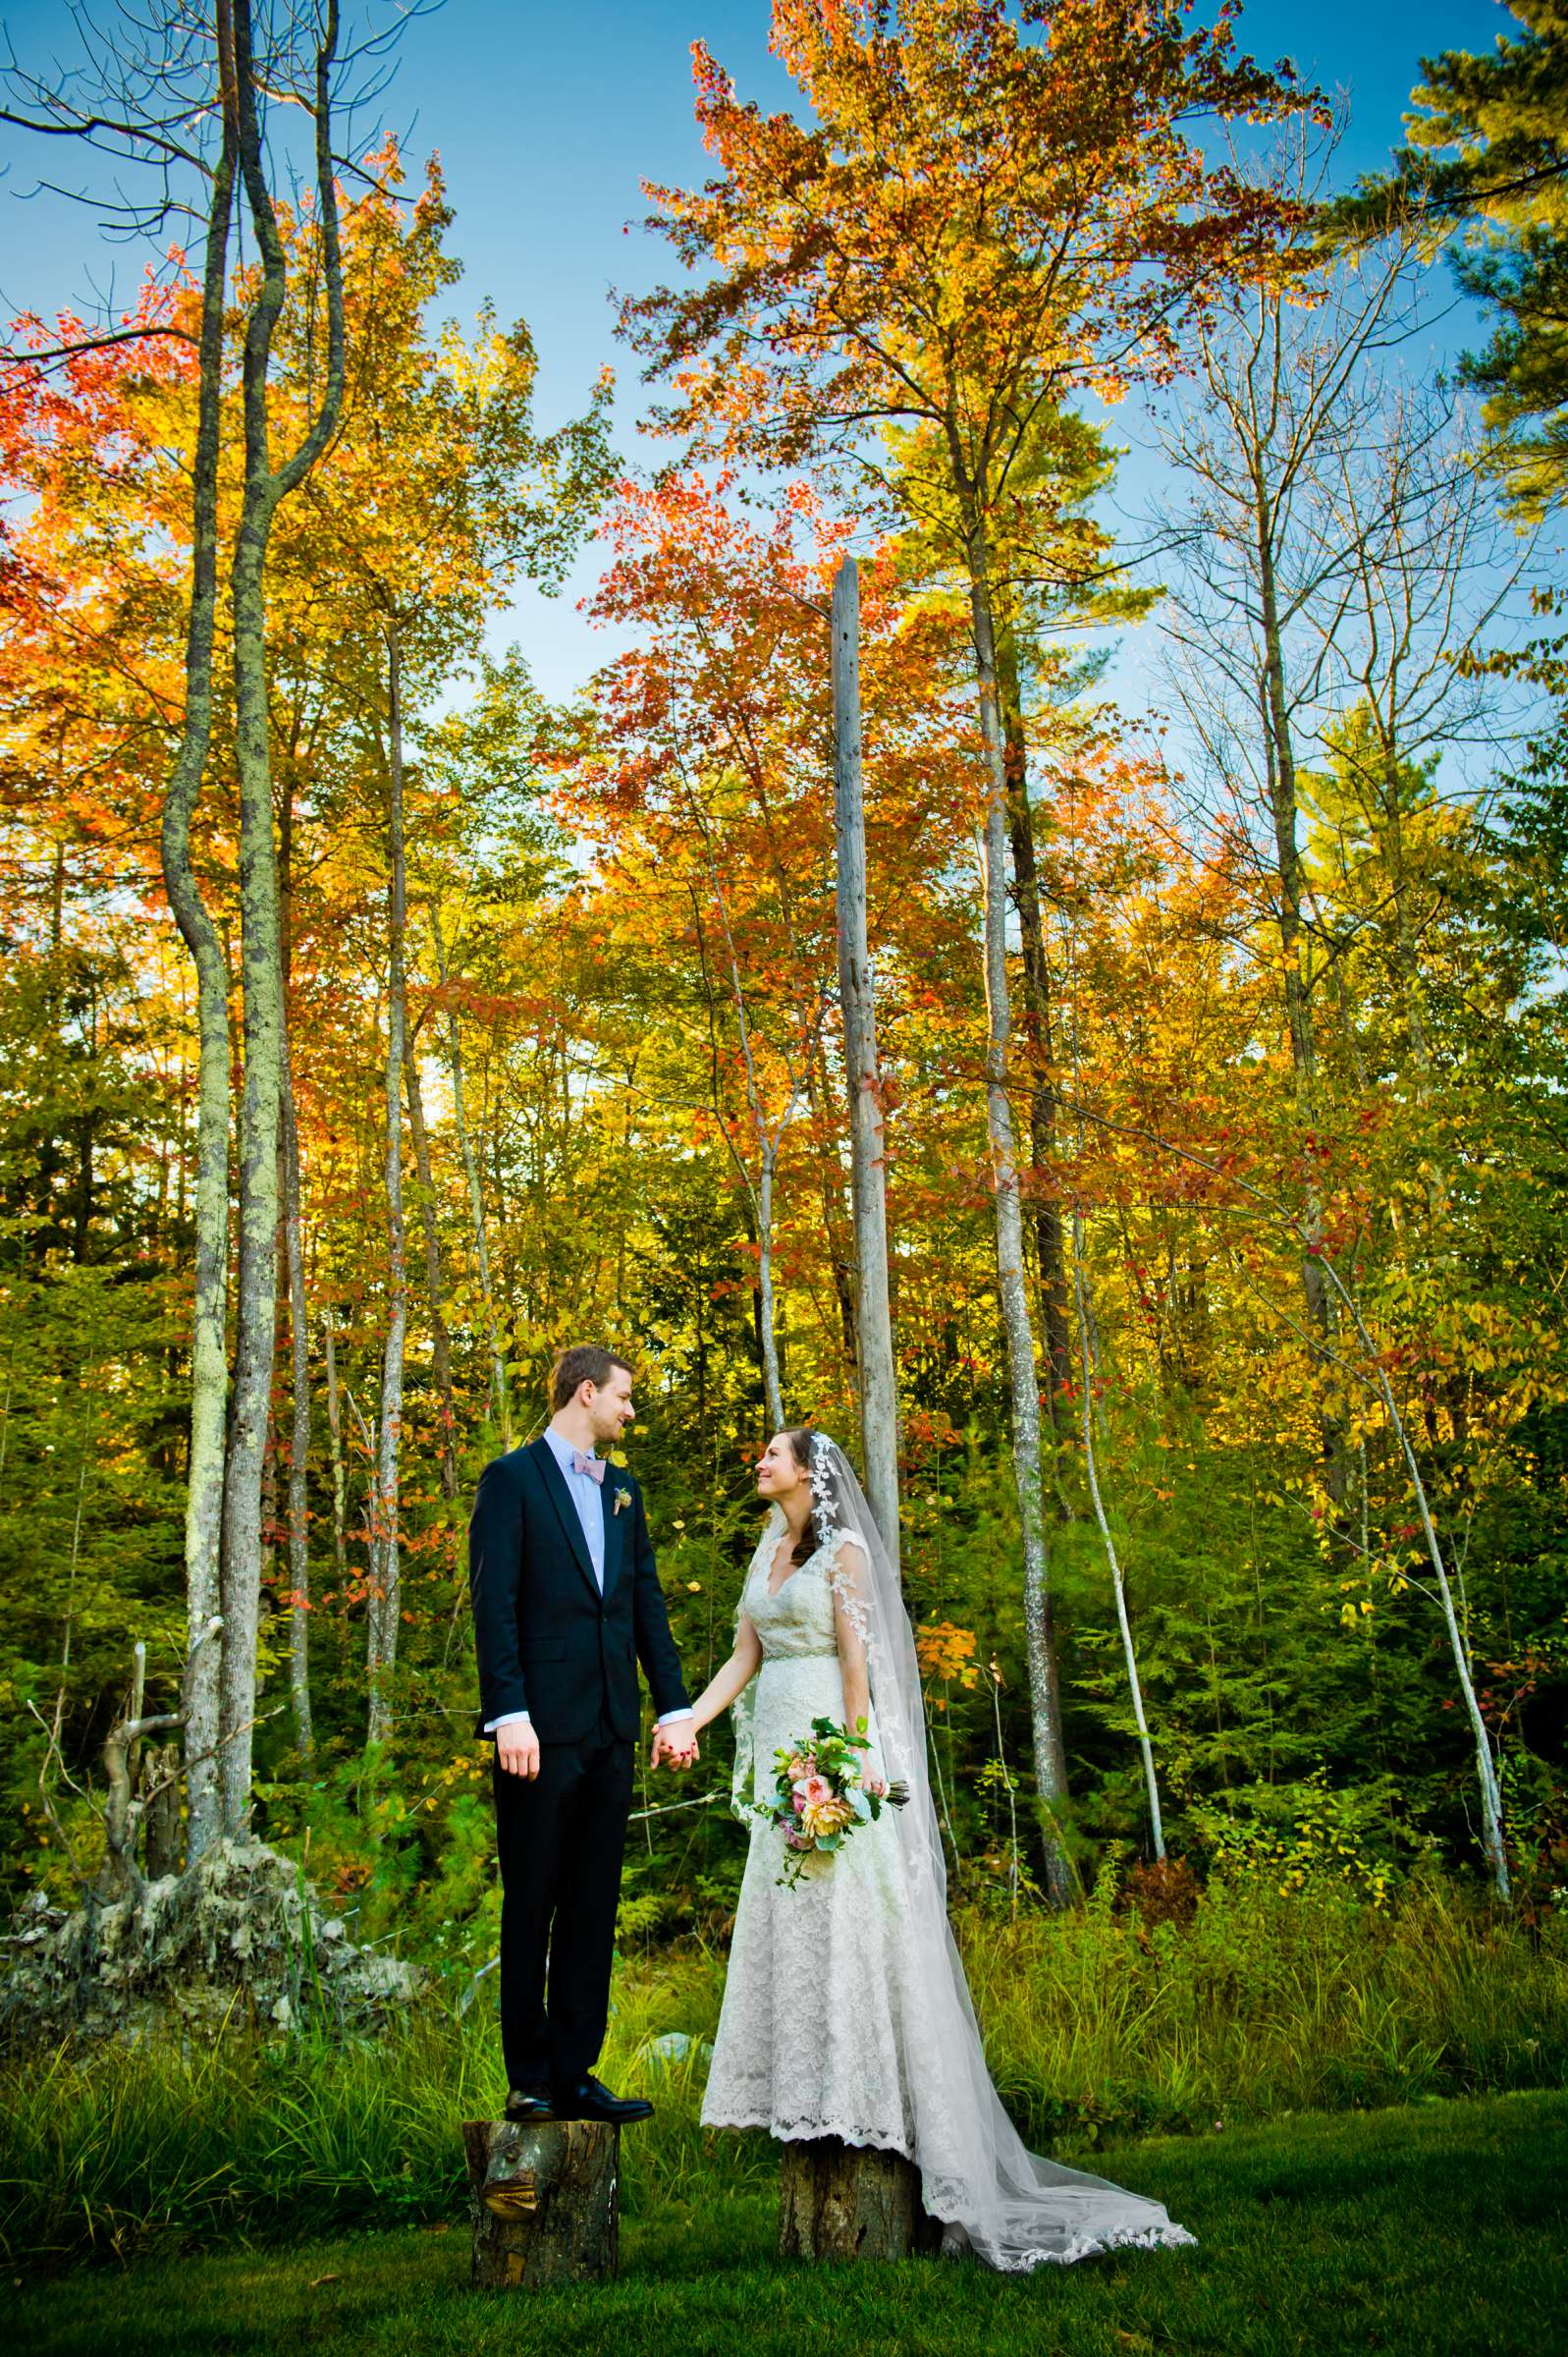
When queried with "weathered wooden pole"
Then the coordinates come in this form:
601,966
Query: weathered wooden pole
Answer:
879,1384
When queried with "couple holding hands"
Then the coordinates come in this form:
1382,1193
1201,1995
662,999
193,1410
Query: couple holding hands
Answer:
846,2011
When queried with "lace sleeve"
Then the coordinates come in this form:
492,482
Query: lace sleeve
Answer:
851,1592
848,1576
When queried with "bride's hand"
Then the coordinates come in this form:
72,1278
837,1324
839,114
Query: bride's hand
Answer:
871,1781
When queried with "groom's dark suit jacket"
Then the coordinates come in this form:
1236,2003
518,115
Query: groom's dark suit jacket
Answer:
548,1642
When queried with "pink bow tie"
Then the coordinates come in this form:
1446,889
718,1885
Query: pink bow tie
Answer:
593,1467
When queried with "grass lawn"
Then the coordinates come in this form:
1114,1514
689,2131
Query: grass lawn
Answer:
1435,2226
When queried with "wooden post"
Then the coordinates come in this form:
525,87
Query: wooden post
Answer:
846,2201
879,1382
544,2201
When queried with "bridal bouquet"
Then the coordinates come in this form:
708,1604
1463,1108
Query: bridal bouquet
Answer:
819,1799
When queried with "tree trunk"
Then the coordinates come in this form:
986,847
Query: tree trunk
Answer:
1157,1830
300,1428
498,1390
1491,1808
261,978
260,960
210,1372
385,1602
846,2201
117,1877
1048,1256
440,1343
767,1309
1280,748
340,1479
1051,1763
159,1802
544,2202
868,1145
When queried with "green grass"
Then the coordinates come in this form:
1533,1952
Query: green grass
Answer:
1099,2030
1416,2229
1269,2000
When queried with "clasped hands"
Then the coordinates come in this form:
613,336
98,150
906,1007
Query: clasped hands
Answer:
675,1744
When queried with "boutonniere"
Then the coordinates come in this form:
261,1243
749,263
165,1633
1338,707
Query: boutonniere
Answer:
619,1498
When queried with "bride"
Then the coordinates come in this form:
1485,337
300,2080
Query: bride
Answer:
846,2011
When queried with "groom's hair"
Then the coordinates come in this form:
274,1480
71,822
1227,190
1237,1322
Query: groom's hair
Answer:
584,1362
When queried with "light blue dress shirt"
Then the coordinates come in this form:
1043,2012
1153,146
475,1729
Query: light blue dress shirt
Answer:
587,1496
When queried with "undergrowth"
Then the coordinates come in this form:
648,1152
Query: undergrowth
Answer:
1099,2025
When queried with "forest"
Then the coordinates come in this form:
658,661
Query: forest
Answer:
374,1025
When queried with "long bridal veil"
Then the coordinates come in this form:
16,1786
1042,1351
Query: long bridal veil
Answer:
1015,2208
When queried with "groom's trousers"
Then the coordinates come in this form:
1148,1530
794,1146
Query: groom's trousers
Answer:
560,1835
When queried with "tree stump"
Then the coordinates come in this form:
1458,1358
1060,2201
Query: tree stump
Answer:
544,2201
844,2201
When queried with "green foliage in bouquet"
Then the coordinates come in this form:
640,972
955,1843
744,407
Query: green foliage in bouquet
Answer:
820,1795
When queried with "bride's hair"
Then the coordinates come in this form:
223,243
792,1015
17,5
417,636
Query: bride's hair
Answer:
800,1438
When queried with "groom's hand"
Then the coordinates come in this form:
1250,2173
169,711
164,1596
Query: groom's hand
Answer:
517,1749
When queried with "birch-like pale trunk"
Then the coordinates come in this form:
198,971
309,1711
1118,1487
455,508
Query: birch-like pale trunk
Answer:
500,1395
260,925
1492,1812
299,1427
435,1284
1050,1760
767,1308
209,1370
384,1606
340,1476
1091,1459
868,1144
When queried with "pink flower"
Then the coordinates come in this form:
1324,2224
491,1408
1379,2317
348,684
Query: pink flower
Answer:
799,1802
799,1766
817,1789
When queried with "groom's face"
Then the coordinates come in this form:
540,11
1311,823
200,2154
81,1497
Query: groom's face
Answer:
609,1405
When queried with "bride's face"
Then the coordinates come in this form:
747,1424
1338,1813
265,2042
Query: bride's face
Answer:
780,1473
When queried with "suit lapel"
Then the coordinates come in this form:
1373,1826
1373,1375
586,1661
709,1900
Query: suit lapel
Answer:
612,1522
561,1499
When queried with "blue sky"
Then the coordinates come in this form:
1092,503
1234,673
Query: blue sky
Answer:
548,113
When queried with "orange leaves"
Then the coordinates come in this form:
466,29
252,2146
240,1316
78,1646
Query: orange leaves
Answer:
946,1652
986,208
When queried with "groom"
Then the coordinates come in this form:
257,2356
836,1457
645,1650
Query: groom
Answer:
566,1602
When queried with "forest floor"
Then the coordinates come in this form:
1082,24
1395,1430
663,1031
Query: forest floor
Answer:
1422,2228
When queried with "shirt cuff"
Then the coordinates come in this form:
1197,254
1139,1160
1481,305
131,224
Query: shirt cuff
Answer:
509,1719
670,1716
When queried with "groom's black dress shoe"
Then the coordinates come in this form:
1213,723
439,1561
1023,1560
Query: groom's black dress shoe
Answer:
530,2103
591,2098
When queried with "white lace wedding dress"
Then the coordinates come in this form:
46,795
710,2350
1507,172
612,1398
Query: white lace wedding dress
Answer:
845,2011
817,2010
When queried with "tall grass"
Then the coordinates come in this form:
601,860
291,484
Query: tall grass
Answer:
1099,2025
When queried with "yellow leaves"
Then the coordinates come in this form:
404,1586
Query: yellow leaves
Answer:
946,1651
